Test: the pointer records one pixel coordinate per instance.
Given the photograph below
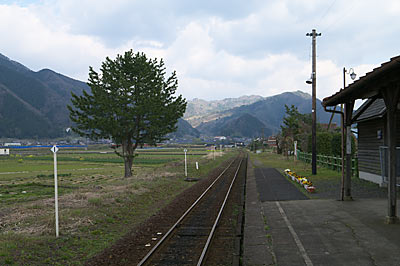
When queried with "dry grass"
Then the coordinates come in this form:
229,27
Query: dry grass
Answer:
36,217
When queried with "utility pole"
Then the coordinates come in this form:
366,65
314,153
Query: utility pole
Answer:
263,139
314,35
346,133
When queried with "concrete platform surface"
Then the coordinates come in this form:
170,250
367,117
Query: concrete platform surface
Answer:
316,232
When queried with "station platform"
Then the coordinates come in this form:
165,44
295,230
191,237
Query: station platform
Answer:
283,227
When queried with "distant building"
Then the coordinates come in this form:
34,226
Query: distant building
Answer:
271,141
12,144
219,138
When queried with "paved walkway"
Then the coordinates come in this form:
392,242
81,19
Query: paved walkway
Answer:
281,231
272,186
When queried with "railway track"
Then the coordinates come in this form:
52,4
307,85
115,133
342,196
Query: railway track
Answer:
189,240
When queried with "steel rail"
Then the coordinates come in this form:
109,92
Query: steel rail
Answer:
210,236
151,252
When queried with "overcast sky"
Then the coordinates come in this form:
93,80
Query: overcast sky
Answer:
219,49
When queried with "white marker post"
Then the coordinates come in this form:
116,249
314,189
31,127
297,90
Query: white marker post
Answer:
214,153
197,165
185,150
54,149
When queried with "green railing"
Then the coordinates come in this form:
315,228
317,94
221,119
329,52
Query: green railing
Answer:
330,162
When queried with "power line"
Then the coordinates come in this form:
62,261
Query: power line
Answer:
345,14
326,12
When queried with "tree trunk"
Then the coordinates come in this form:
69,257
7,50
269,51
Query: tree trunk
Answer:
128,166
127,151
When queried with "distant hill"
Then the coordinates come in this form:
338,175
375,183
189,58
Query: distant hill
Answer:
269,111
33,104
198,110
185,130
245,125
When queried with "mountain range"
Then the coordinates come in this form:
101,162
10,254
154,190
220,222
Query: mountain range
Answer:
198,110
34,105
263,116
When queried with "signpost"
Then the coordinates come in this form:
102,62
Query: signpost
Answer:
54,149
214,152
185,150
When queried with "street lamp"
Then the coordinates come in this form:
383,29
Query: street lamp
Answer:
310,80
351,73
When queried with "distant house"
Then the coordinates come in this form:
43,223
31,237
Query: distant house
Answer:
271,141
372,141
220,138
12,144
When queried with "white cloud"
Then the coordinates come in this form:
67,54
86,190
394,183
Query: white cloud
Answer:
218,49
214,72
36,44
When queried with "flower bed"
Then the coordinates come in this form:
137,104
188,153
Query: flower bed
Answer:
303,181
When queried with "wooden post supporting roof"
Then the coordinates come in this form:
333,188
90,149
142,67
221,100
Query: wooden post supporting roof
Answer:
391,95
348,112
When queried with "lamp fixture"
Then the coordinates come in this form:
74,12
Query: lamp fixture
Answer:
310,80
352,74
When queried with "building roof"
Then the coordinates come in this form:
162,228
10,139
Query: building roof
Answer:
369,85
368,110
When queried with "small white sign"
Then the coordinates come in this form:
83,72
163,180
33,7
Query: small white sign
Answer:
185,150
4,151
54,149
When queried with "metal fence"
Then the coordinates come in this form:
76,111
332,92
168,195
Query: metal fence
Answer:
330,162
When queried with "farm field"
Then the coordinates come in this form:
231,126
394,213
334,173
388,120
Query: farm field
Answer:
97,205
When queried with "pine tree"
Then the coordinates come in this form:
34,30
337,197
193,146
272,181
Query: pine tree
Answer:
131,102
295,127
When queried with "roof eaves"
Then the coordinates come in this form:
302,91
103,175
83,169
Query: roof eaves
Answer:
336,98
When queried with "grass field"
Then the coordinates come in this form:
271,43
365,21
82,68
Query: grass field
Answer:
97,205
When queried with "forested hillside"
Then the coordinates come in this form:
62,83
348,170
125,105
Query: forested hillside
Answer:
33,104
